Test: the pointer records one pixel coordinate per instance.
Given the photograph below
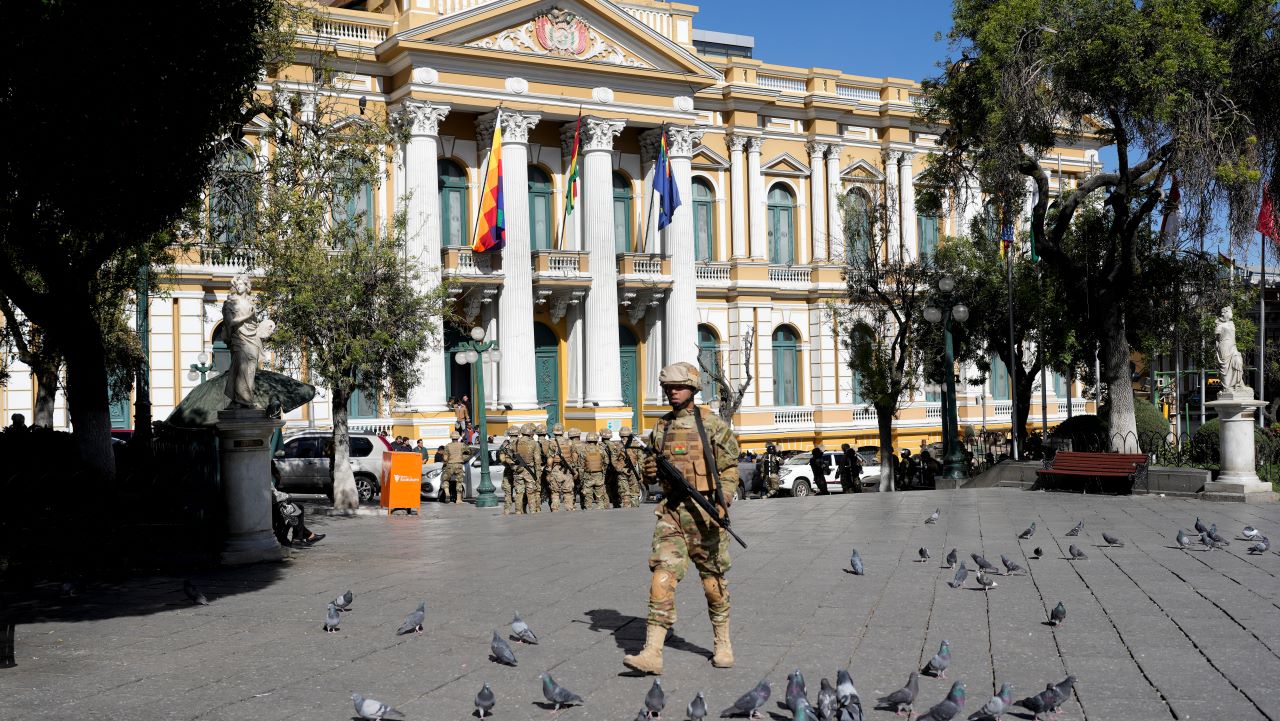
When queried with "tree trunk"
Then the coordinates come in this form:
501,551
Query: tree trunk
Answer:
345,497
1021,412
1115,373
884,419
46,394
87,398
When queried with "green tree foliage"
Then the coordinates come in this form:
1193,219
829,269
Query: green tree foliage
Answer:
107,170
1176,86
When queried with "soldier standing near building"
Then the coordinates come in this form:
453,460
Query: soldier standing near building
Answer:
540,436
628,462
591,465
769,469
508,462
575,450
527,458
612,449
559,470
453,475
704,449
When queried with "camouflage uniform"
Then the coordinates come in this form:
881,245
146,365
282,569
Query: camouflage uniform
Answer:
683,532
508,473
540,436
770,469
559,470
524,482
453,475
628,462
612,455
591,464
576,441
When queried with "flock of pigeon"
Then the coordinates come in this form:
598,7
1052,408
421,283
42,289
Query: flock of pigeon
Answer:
840,702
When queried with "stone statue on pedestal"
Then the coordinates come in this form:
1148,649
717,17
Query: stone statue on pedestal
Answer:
244,332
1230,362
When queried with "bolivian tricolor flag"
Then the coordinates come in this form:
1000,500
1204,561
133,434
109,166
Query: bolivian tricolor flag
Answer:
571,183
491,227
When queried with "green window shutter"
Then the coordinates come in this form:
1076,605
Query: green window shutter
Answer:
539,209
621,214
703,221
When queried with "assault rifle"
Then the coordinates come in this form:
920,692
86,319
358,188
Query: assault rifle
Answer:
679,484
520,459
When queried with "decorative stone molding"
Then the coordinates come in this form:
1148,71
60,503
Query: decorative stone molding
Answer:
517,86
754,144
421,118
683,103
474,299
602,95
737,142
891,158
816,148
682,139
598,133
559,306
560,33
515,126
425,76
542,295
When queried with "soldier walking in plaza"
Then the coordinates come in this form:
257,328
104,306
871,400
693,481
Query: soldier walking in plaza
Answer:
628,462
704,449
559,470
591,465
544,445
453,475
508,461
769,469
612,451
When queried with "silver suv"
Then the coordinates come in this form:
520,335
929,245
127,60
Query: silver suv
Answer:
302,465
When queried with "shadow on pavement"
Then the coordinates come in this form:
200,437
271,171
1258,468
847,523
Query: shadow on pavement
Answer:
628,632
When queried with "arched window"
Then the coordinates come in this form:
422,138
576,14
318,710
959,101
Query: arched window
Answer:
232,197
860,349
786,367
927,236
782,225
999,379
991,221
709,357
858,223
621,213
540,226
704,223
453,203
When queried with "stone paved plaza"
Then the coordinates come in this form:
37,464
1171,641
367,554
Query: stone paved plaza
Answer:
1152,632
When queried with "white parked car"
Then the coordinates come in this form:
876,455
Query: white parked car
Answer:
302,465
431,475
797,478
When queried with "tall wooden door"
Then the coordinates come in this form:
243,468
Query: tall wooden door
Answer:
630,369
546,368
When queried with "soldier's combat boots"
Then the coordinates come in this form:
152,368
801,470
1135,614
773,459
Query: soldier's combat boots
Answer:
650,659
723,657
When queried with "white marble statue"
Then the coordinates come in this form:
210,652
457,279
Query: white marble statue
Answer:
244,332
1230,362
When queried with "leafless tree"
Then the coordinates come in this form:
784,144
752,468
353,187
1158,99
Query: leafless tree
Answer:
731,396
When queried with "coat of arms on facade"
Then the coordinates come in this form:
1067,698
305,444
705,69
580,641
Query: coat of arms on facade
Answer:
561,32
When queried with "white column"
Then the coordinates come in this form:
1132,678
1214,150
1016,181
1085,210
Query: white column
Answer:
421,182
650,140
758,201
515,304
910,228
892,237
653,353
818,191
603,377
738,195
681,326
574,354
835,223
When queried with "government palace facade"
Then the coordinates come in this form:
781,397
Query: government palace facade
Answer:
588,305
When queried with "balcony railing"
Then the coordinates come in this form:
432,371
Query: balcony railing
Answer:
773,82
644,265
933,411
789,274
793,418
220,257
712,271
338,30
864,414
561,262
1002,408
461,261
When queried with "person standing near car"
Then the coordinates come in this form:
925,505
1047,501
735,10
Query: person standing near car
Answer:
769,469
820,467
627,462
452,478
508,461
850,470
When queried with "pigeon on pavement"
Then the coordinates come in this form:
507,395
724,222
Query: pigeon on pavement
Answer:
1064,690
924,554
697,708
413,622
1200,527
485,700
1076,553
1009,566
996,707
343,602
1040,703
1213,534
1184,541
805,711
949,707
332,619
1031,531
655,700
557,694
1209,542
1037,553
902,699
1249,533
937,666
827,703
933,518
951,559
1075,531
961,574
1112,540
501,650
193,593
986,581
1262,546
981,562
846,693
855,563
795,690
750,702
521,631
367,708
1058,615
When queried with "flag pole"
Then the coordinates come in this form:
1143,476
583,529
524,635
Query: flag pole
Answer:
1262,332
1013,359
484,174
643,241
568,196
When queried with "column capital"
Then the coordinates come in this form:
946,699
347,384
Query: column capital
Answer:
754,144
817,148
891,157
420,118
598,133
515,126
833,151
907,155
649,140
736,141
682,139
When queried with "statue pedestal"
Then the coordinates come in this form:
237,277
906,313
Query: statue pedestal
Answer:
244,452
1237,422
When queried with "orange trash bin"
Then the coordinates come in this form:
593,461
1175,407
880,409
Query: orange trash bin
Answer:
401,481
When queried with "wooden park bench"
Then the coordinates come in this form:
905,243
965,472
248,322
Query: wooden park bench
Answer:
1114,472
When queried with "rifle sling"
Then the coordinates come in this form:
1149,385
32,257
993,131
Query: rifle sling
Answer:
709,458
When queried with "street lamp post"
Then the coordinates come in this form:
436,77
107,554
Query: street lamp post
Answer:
953,465
472,352
200,369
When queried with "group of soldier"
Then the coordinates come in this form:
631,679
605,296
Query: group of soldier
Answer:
562,471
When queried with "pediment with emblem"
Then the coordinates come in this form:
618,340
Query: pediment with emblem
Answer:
587,31
785,164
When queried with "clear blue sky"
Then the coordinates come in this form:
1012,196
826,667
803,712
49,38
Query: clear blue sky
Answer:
877,39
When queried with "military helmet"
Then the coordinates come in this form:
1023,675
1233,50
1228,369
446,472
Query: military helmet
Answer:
526,430
454,435
540,430
606,434
770,448
625,432
558,429
592,438
574,432
513,431
680,374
